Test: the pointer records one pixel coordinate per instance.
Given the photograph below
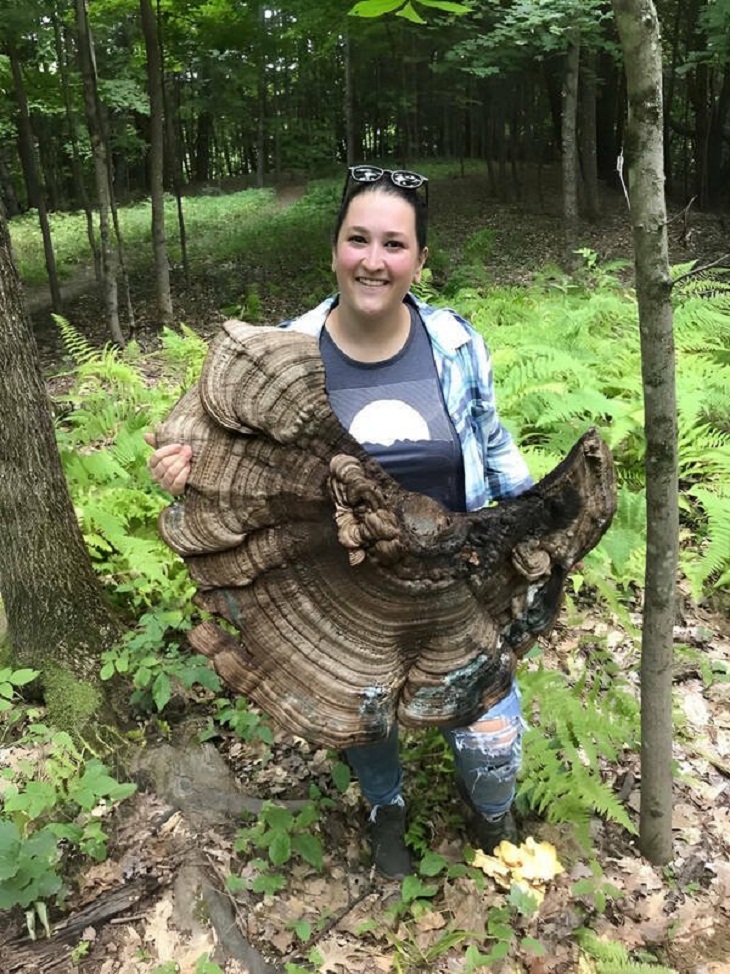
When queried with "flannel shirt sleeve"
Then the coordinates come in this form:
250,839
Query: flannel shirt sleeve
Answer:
505,471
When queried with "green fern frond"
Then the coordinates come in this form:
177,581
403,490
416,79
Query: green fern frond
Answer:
621,550
612,957
564,749
712,558
704,454
77,346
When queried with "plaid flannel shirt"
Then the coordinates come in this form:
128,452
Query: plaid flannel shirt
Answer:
493,466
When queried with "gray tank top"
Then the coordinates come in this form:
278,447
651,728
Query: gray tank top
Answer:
395,409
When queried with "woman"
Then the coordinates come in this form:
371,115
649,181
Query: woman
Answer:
413,384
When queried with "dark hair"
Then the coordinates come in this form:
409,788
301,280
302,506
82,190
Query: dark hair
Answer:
411,196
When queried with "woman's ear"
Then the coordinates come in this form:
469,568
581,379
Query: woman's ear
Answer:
421,264
334,260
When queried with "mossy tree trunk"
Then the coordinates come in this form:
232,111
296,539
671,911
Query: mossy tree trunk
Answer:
58,620
638,29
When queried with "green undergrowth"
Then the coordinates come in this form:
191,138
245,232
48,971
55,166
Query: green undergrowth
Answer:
217,226
567,357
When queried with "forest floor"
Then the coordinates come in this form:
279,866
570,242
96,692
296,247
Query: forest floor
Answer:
160,901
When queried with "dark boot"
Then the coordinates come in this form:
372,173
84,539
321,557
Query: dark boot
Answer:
486,834
388,841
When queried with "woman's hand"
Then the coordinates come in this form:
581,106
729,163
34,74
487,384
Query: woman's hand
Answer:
170,465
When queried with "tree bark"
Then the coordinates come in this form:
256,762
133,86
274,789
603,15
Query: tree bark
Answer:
101,171
589,165
35,190
569,130
349,102
58,620
80,193
7,188
638,28
156,170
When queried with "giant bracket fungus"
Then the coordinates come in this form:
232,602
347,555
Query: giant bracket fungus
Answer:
346,602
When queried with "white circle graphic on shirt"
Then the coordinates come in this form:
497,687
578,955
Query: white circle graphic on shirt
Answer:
387,420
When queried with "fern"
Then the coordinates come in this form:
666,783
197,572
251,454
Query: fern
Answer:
77,346
712,559
613,958
576,729
568,358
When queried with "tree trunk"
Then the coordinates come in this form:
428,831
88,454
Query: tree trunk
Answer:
157,139
570,146
7,188
639,34
35,190
79,186
174,144
589,166
349,105
101,171
58,620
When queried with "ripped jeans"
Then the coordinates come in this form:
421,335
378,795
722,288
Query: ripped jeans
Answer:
487,757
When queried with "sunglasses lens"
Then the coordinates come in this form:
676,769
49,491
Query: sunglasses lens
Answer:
407,180
366,174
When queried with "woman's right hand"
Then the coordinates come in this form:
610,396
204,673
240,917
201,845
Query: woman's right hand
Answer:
170,465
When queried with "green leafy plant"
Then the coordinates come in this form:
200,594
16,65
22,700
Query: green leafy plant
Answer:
613,958
154,660
594,890
56,798
281,834
100,435
28,865
239,716
10,681
575,728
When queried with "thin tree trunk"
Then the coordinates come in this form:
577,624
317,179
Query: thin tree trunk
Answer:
570,146
35,190
80,188
101,171
638,29
589,166
58,619
174,155
349,106
261,101
157,139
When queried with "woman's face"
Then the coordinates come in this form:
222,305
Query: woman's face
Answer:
376,257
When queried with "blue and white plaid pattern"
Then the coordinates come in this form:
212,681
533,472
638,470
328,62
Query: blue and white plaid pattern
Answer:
493,466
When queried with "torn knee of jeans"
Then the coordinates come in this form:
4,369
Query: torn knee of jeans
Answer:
495,732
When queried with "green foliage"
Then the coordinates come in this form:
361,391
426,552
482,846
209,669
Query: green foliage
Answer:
281,834
218,228
594,890
613,958
575,728
10,681
558,372
204,965
151,656
53,798
109,407
28,865
239,716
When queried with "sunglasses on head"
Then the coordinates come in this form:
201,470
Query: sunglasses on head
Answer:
402,178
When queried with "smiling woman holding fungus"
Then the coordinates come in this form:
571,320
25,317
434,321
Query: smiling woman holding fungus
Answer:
413,384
